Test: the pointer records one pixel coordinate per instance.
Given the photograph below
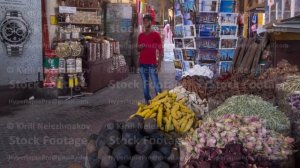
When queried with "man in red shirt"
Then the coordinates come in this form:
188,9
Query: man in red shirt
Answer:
148,43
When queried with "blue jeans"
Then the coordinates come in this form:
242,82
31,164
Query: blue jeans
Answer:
147,70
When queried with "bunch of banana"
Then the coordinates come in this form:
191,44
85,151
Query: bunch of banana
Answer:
170,115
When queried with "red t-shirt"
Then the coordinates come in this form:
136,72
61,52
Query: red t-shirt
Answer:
152,42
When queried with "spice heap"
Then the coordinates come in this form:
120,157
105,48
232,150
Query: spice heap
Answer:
250,131
283,69
170,115
249,105
292,84
137,143
197,84
193,101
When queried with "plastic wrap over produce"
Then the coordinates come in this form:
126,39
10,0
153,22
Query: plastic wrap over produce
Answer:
198,70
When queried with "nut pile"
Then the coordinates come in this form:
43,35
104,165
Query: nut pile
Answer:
283,69
193,101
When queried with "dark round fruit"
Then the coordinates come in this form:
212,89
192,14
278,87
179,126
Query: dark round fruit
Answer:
162,165
174,157
143,147
165,150
158,138
134,124
108,161
123,166
100,142
113,139
150,126
103,151
93,137
122,154
139,161
155,157
131,138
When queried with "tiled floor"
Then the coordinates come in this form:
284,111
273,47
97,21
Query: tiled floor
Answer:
53,134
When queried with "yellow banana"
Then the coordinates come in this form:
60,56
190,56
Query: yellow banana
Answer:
174,111
160,116
188,125
160,96
144,113
183,124
175,123
153,115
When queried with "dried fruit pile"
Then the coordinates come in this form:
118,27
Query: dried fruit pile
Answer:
250,131
248,105
283,69
135,143
192,101
234,155
170,115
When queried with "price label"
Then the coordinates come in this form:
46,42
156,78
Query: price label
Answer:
67,9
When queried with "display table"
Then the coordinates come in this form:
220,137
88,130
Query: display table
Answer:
100,74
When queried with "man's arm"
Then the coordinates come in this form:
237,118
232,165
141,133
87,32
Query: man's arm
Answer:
140,46
160,49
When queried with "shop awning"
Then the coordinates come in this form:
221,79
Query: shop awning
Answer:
291,25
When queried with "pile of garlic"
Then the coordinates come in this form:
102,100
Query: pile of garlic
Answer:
193,101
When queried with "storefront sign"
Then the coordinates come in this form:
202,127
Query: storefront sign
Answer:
67,9
20,41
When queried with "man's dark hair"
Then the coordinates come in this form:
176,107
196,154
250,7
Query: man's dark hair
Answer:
148,16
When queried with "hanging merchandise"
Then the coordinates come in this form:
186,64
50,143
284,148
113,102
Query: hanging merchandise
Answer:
63,50
62,66
71,81
71,65
77,49
78,65
60,83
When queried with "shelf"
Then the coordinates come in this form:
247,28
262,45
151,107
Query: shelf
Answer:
74,23
257,6
84,8
90,32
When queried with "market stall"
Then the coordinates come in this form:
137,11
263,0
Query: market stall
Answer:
245,116
83,58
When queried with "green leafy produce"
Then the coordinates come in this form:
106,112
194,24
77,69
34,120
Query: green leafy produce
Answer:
249,105
139,161
122,154
108,161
